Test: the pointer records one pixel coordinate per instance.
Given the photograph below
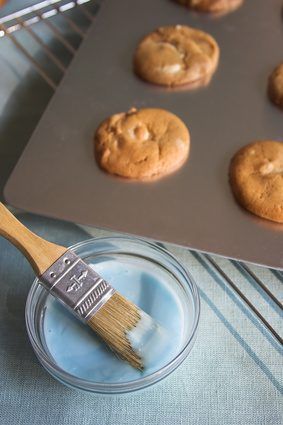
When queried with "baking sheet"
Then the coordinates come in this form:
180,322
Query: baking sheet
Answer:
58,177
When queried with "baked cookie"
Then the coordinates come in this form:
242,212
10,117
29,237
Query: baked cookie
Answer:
256,176
142,144
176,55
212,6
275,86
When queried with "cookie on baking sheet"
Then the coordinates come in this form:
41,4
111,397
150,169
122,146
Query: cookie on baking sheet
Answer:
142,144
212,6
256,177
275,86
176,55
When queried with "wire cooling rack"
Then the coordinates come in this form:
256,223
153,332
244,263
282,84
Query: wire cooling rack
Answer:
248,287
44,12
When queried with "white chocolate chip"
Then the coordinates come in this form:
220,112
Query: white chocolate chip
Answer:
266,168
168,45
171,69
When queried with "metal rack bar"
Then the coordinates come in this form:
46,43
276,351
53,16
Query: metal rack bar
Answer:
46,49
243,298
34,62
72,24
278,274
85,12
261,284
57,34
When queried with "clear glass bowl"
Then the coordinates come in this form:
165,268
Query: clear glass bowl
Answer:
157,282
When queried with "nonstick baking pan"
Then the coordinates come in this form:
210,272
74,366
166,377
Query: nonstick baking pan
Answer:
57,175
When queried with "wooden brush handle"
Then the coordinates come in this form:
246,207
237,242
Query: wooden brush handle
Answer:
40,253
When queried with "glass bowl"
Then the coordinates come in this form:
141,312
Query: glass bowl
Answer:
146,274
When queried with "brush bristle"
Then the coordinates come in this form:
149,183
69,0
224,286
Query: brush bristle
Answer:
112,323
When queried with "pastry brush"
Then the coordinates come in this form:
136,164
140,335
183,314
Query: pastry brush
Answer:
125,328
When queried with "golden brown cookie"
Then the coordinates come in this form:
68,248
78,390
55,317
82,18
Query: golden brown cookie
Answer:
275,86
142,144
176,55
212,6
256,176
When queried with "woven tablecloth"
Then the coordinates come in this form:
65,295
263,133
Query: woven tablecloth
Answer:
234,374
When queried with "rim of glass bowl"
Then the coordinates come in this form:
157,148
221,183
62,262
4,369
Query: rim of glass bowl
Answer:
115,388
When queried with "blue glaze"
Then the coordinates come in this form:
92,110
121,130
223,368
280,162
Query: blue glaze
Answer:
76,349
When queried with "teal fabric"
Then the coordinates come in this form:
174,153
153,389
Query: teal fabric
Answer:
233,375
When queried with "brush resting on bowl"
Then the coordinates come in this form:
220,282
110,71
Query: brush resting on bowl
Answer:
148,276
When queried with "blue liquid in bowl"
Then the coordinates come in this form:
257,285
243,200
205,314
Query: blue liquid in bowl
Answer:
75,348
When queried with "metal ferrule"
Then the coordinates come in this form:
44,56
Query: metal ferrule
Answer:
77,285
